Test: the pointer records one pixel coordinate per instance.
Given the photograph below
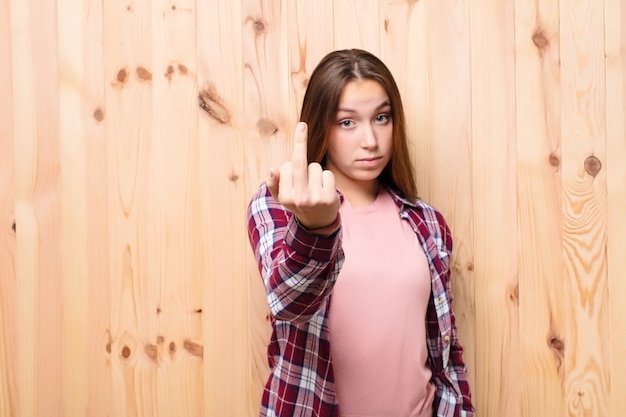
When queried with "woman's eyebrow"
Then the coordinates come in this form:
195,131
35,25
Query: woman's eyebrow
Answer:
380,106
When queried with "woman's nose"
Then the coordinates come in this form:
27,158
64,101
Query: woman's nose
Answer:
369,137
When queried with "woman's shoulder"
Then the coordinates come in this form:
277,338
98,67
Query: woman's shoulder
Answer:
419,206
422,211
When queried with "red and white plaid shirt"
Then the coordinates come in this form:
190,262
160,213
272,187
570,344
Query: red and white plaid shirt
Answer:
299,270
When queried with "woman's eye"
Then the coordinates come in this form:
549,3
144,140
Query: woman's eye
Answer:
383,118
346,123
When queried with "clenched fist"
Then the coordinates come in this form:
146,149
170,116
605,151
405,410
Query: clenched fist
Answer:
305,189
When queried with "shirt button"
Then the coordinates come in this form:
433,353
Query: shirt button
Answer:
446,339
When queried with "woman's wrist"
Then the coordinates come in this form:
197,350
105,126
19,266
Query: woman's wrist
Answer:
325,230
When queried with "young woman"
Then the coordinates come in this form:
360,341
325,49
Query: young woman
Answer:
355,266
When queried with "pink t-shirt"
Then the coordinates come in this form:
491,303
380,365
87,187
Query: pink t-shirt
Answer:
377,316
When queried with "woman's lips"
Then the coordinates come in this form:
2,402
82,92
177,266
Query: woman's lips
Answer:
372,161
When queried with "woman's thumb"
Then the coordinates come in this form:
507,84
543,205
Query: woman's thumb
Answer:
272,182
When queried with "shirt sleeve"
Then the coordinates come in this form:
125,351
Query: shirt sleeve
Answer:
457,370
298,267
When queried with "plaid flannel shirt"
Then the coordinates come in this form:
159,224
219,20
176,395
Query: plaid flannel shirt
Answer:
299,270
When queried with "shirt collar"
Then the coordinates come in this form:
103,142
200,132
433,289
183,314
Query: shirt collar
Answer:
400,201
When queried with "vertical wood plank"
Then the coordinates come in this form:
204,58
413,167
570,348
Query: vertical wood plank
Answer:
70,15
134,345
98,287
267,132
401,48
46,206
497,390
396,43
542,315
8,284
416,96
310,36
230,385
583,131
173,253
26,266
266,86
615,35
356,24
35,99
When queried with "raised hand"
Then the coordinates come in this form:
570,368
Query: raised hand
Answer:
305,189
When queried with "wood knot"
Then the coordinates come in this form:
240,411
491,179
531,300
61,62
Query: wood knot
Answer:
122,75
160,339
266,127
514,295
259,26
14,227
233,177
126,352
592,165
554,160
172,347
151,351
540,40
557,344
194,348
213,105
169,72
144,74
98,115
470,267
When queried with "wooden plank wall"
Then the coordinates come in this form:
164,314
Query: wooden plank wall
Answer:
133,133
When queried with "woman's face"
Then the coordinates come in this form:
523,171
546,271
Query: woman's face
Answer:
360,141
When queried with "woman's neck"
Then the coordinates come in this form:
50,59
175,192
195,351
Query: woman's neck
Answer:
360,194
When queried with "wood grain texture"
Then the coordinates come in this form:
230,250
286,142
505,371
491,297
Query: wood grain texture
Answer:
356,24
396,21
229,367
132,233
71,50
494,195
542,310
35,98
8,286
615,38
26,265
96,196
583,131
266,87
172,234
310,38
